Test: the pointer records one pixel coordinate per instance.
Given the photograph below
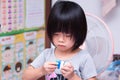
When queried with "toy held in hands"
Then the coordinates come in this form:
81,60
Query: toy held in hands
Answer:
60,63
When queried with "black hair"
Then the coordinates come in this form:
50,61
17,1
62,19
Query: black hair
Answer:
7,67
7,48
18,65
29,61
67,17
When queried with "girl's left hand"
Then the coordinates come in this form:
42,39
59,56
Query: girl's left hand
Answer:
67,71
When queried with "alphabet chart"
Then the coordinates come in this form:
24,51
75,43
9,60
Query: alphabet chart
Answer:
12,15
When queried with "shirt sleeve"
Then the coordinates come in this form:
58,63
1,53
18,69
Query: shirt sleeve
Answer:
88,69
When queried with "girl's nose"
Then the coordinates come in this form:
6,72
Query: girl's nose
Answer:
61,38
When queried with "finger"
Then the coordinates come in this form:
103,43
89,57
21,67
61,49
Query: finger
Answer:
53,63
50,70
65,69
50,65
68,64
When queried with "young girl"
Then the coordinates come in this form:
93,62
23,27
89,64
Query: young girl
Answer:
66,29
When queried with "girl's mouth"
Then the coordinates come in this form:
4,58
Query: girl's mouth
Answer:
61,45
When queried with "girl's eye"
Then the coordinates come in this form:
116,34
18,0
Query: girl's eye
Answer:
68,35
55,34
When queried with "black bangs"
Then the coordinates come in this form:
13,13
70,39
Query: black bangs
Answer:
63,18
60,21
63,26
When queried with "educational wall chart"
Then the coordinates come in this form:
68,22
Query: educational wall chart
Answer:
30,47
18,51
18,16
7,57
22,35
12,15
35,16
19,56
12,57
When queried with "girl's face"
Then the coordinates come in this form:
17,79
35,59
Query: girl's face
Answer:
63,41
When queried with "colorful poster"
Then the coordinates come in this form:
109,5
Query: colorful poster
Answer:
19,56
30,47
7,57
12,15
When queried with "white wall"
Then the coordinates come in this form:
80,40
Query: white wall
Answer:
112,19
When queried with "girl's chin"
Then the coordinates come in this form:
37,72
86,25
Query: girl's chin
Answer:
61,48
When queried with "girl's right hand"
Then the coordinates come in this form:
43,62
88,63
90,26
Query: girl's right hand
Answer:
50,67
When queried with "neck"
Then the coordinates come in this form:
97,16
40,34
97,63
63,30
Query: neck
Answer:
65,54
